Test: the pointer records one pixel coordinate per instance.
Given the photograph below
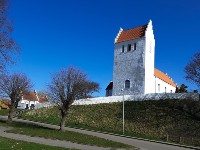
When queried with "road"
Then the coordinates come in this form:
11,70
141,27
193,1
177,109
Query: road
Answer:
142,144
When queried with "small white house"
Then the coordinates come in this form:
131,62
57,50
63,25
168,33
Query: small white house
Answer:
29,100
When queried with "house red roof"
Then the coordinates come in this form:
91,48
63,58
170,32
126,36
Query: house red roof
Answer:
31,96
43,99
131,34
164,77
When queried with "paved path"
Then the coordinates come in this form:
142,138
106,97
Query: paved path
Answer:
143,145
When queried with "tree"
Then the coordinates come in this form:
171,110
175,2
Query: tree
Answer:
8,46
192,69
88,88
181,89
13,86
42,93
66,86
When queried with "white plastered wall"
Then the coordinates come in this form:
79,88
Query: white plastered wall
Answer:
149,59
163,87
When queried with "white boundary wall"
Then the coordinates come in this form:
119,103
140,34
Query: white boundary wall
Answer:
112,99
142,97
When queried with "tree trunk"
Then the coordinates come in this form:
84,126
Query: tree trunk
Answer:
63,119
10,114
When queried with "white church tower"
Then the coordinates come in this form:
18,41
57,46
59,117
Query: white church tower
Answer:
133,69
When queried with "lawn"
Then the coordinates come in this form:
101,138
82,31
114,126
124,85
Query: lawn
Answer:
4,112
67,135
16,144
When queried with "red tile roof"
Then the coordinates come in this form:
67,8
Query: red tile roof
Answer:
131,34
31,96
43,99
164,77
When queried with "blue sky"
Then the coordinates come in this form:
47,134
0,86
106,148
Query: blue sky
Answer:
55,34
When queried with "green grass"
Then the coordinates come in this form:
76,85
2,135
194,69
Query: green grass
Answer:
4,112
146,119
37,131
22,145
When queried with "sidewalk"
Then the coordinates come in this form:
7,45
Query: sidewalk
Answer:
142,144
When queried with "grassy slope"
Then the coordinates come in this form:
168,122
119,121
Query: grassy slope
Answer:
151,119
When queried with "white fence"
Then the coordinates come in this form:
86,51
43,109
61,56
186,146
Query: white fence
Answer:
112,99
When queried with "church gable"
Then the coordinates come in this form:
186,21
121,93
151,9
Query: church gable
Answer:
131,34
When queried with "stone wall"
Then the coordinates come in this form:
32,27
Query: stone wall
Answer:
129,66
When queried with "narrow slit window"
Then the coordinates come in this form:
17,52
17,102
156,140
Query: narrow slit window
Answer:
135,46
122,48
158,88
129,48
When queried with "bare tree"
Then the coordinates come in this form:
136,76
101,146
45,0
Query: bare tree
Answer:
66,86
192,69
42,93
13,86
8,47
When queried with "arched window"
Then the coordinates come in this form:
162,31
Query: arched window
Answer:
127,84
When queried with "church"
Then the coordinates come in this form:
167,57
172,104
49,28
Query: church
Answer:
133,68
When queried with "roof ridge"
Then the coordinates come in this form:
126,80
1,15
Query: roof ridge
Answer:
135,27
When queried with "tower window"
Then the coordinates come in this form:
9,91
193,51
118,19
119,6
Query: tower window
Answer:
165,90
127,84
122,48
134,46
129,48
158,87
